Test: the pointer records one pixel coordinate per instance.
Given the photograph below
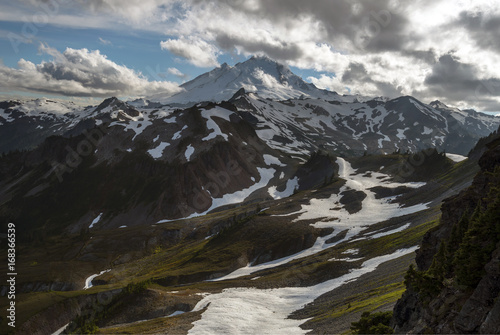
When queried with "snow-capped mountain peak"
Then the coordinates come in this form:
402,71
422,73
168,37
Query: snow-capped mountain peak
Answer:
260,75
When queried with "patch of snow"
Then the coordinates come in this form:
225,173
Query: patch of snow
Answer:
390,232
239,196
261,311
88,281
170,120
455,157
122,227
291,185
96,220
177,135
60,330
189,152
427,131
176,313
212,125
351,252
135,123
401,133
344,259
158,151
7,117
271,160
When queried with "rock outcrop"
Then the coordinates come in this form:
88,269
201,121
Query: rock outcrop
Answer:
456,286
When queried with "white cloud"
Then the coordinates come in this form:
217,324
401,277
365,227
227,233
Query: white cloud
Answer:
398,42
197,51
330,83
176,72
81,72
104,42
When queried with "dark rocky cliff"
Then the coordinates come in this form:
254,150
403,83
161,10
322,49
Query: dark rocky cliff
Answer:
456,285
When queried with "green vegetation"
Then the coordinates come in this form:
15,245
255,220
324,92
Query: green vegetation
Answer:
376,323
180,254
87,322
420,166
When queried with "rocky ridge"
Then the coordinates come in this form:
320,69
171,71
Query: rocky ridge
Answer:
456,286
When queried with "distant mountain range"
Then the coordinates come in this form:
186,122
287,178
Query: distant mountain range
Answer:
288,113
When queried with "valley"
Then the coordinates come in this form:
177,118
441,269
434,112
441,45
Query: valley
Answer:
267,206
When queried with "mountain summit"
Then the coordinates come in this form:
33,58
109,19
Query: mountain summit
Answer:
261,75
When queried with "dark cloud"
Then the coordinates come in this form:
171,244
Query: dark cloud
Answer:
483,28
278,50
457,81
428,56
451,75
373,25
355,72
357,75
449,71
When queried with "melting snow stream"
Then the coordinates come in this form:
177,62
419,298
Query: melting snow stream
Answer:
265,311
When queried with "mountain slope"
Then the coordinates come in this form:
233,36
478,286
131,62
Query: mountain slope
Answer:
352,128
303,246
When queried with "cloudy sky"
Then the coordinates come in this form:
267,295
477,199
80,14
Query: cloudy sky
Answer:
90,49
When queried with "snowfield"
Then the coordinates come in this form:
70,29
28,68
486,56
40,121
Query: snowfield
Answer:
329,213
256,311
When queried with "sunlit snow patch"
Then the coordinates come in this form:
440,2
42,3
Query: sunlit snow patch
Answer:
291,185
88,281
176,313
233,198
455,157
136,123
60,330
